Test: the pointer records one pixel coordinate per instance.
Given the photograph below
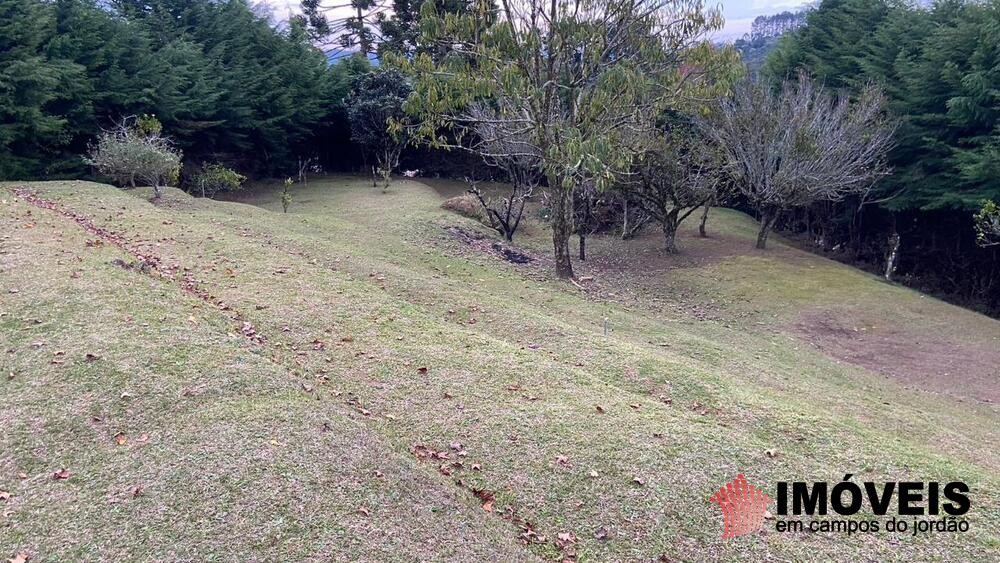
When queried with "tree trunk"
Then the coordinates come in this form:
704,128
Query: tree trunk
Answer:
704,219
583,247
670,233
893,260
767,217
562,227
624,218
157,191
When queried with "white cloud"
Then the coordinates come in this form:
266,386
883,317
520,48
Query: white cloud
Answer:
734,29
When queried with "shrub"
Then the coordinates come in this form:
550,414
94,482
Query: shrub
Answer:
987,223
465,205
214,178
135,150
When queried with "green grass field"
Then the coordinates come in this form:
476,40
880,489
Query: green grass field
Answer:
349,381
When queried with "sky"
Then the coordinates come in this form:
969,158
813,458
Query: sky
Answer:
740,13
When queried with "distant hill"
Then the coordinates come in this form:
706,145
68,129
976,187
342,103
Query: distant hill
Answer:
765,31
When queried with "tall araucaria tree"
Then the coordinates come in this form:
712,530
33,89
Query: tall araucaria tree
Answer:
584,78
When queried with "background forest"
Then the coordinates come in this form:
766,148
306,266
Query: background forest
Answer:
940,68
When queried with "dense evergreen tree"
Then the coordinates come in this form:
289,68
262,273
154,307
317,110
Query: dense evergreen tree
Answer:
36,92
227,84
940,67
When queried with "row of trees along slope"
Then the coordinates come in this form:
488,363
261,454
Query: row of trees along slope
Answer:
580,84
630,97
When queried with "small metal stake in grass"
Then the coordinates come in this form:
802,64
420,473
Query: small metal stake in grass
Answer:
605,326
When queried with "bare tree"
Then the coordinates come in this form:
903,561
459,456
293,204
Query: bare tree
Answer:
505,145
503,213
801,144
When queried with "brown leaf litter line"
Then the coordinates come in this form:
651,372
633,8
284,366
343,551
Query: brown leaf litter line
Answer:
452,460
484,244
147,263
450,463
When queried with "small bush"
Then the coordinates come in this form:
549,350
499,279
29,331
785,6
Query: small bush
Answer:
465,205
214,178
135,151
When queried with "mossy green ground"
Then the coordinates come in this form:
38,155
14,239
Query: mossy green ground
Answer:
300,448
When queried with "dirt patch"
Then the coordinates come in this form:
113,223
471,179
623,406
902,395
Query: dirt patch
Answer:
916,359
484,244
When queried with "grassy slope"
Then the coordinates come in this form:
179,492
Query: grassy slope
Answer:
272,451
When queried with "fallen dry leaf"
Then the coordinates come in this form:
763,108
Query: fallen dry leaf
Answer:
90,357
487,497
422,371
20,557
600,409
565,539
529,535
772,453
5,495
61,474
121,438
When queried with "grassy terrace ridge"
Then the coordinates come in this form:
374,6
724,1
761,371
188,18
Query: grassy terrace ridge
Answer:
351,381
